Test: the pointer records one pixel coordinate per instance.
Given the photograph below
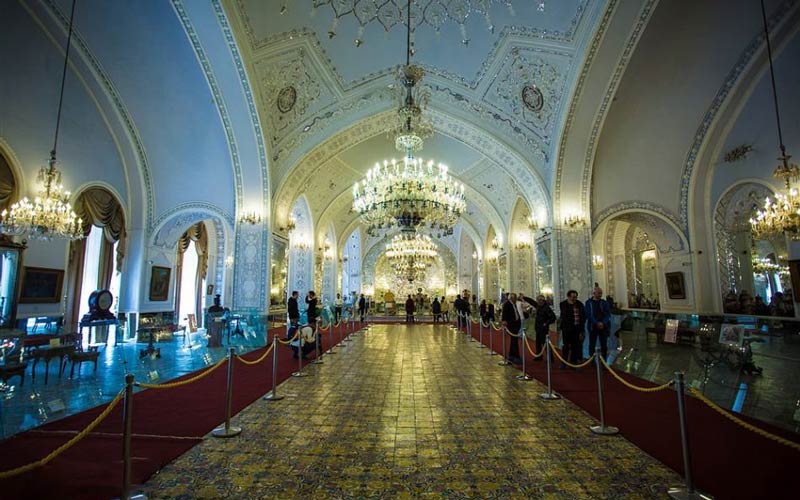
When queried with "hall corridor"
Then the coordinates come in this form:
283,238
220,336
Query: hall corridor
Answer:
408,412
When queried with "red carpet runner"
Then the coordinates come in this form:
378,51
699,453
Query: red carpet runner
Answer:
166,424
728,461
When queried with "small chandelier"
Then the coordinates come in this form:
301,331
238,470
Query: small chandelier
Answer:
409,194
416,247
50,214
781,215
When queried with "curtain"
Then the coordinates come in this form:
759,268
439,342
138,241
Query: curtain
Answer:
196,233
7,184
97,207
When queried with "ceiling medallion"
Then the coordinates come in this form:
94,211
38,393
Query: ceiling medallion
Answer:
532,97
287,97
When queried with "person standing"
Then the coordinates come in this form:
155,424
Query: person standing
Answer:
482,311
436,310
458,310
337,308
490,313
513,323
544,318
598,321
573,319
311,308
292,309
409,310
362,307
445,309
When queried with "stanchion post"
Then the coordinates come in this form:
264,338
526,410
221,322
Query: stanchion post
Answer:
549,394
602,428
688,492
317,346
331,326
480,334
505,361
227,430
273,396
524,375
127,411
299,372
491,340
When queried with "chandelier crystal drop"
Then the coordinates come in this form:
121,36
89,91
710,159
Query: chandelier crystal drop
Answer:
416,247
781,215
50,215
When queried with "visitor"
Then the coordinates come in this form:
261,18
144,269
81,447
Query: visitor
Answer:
573,319
512,323
436,310
482,311
362,307
410,310
292,309
458,307
544,318
490,313
337,308
311,308
445,309
598,321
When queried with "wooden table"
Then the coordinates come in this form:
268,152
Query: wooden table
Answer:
47,353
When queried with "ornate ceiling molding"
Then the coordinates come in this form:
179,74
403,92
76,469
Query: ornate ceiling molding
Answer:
168,227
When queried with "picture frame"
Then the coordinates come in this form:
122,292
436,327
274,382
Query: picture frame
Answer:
159,283
731,335
676,286
210,290
41,285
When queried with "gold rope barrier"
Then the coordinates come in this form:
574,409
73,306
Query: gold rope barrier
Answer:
558,355
170,385
533,353
259,360
694,392
287,342
324,329
636,387
494,327
69,444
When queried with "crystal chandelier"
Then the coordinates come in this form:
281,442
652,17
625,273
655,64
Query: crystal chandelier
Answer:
50,215
411,255
781,215
411,194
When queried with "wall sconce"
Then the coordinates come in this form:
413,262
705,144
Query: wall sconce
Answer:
497,243
492,256
229,261
327,251
291,225
251,218
302,243
597,261
533,225
574,220
522,241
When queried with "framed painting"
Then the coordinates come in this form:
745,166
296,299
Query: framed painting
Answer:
676,286
41,285
159,283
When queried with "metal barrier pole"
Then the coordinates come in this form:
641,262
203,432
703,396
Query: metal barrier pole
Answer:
273,396
524,376
330,338
469,328
480,334
317,346
299,372
127,412
227,430
491,340
687,492
505,361
601,429
549,394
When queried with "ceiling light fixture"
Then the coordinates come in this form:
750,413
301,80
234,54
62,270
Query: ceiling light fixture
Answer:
50,214
783,214
411,193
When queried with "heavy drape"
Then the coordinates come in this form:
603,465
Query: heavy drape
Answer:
199,235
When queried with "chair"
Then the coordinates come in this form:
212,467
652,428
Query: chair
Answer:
12,363
79,355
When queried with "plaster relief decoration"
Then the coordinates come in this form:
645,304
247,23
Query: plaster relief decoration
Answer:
351,265
301,249
288,85
529,88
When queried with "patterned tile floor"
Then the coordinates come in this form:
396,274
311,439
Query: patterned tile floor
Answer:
412,412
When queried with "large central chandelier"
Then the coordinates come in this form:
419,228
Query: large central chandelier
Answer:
411,194
49,215
781,215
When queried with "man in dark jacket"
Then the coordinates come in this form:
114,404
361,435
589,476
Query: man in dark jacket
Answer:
292,309
544,318
436,310
362,307
573,319
513,323
311,308
598,321
409,310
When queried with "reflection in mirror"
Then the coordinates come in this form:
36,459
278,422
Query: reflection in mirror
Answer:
544,267
277,293
642,271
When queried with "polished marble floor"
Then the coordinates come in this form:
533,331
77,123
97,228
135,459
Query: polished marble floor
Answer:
35,403
412,412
